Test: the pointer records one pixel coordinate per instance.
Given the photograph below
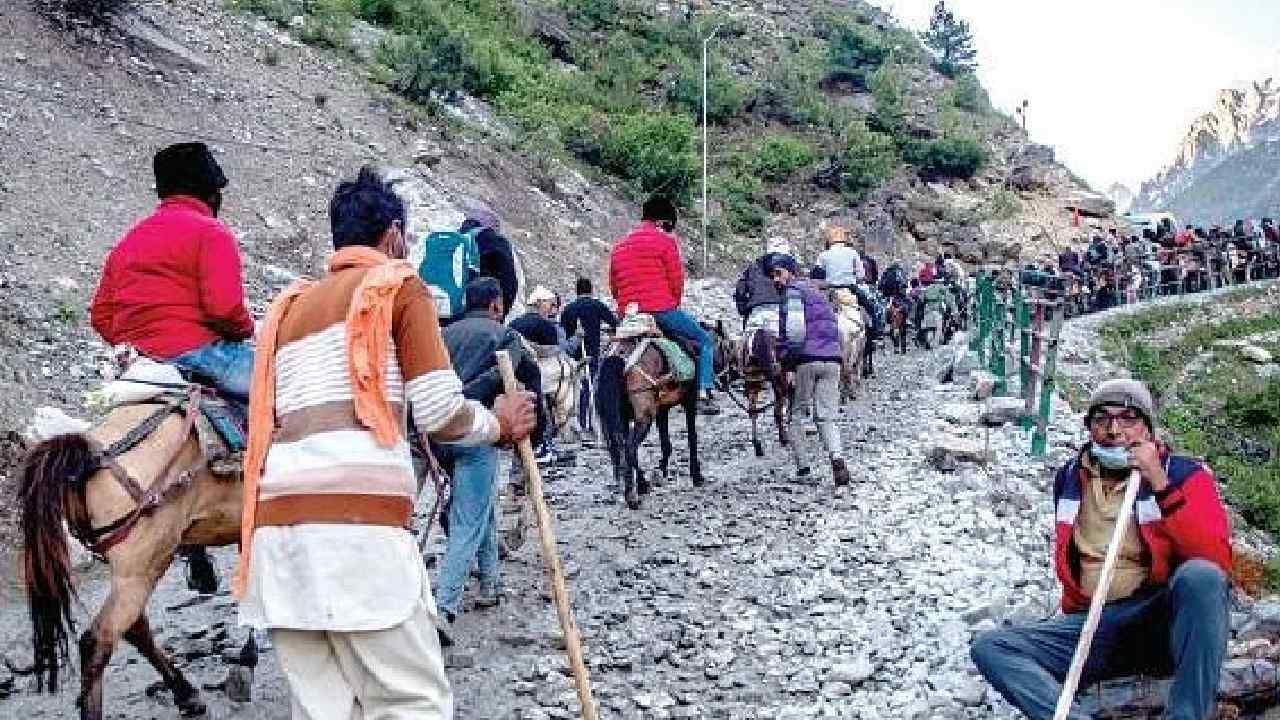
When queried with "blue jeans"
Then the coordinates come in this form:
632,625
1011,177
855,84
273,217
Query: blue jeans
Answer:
473,524
680,324
1179,628
226,364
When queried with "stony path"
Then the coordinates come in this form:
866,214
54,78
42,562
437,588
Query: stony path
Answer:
759,596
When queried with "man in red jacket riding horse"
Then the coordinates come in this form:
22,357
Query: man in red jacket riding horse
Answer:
645,268
172,287
1167,605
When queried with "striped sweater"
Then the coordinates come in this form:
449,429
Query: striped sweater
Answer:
330,547
323,465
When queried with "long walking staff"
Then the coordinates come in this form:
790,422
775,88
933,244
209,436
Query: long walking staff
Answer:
572,641
1099,600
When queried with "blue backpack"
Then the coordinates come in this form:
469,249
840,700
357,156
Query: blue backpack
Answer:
451,259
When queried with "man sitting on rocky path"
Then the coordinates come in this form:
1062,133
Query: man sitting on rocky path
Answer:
172,287
1167,606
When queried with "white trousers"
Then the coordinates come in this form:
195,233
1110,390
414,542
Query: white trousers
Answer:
392,674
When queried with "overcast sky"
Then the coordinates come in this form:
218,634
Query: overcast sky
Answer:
1113,84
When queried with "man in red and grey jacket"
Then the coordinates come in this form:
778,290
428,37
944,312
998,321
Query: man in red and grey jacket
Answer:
1167,605
172,287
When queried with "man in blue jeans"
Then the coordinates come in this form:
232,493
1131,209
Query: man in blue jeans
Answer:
1167,606
173,286
472,518
647,271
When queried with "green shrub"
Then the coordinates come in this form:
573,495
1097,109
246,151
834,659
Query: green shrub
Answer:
738,195
426,66
855,51
777,157
1004,205
869,159
968,94
592,14
278,11
792,91
329,23
890,110
726,95
653,149
952,157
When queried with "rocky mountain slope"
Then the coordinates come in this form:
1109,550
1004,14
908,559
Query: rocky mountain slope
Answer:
289,115
1226,166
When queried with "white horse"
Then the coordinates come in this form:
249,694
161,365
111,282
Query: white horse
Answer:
853,322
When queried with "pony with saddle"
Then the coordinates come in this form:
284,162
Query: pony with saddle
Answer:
854,324
152,476
754,358
643,375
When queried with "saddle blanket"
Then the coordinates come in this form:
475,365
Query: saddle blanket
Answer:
682,366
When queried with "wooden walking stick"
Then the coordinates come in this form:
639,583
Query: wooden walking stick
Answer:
1099,599
572,641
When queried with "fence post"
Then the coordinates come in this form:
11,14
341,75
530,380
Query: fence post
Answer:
1040,439
999,350
1034,374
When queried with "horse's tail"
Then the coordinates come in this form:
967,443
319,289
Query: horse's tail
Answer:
611,395
47,475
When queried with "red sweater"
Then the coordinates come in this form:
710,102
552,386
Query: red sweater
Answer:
645,268
1186,521
173,283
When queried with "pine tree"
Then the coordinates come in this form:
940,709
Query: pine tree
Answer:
951,41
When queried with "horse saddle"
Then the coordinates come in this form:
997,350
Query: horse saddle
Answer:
680,363
221,426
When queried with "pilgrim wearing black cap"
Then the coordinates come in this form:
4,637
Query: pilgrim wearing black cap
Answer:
172,286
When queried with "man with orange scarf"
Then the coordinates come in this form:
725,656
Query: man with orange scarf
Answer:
327,564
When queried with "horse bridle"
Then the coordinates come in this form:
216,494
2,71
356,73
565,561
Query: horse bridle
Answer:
168,484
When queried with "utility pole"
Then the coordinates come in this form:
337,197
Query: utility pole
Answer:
1022,113
705,213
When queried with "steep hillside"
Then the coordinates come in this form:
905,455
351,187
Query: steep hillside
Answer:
1225,168
818,112
561,113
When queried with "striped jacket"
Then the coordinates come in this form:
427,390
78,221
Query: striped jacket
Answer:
1185,521
323,464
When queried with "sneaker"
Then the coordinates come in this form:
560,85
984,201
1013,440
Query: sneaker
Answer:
708,406
804,472
839,471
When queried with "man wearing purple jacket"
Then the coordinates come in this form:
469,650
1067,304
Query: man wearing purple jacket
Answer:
810,339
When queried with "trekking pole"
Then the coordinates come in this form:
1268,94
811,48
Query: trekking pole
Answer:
1099,599
572,641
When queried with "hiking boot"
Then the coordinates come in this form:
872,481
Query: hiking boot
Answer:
708,406
804,473
839,471
444,628
490,596
202,576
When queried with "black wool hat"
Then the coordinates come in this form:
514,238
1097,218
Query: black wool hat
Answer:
188,169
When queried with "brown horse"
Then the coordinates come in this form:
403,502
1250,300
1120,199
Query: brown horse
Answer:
135,496
759,367
629,400
897,320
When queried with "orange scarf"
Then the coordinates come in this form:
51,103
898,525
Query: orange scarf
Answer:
368,329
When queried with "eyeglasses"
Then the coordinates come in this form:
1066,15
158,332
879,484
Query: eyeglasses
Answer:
1126,420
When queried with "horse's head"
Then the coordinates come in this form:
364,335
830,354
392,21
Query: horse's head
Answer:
725,355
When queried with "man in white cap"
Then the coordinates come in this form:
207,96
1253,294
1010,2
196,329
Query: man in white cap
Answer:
537,327
1167,605
755,295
